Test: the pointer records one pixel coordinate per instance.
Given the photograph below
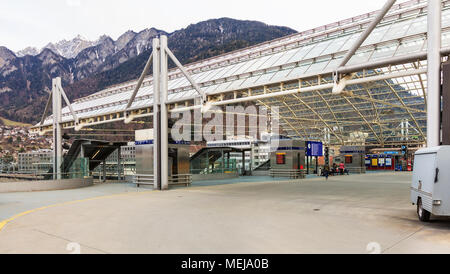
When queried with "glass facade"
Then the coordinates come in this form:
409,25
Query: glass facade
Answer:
297,62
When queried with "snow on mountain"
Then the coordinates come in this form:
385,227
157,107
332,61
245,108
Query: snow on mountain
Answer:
70,49
67,49
28,51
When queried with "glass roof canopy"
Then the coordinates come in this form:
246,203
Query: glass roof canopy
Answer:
389,111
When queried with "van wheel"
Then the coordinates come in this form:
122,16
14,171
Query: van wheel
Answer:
424,215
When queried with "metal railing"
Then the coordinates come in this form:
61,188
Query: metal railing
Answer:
43,176
289,173
176,179
213,170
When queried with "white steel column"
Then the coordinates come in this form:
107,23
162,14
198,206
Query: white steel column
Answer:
57,132
164,115
156,115
402,126
434,73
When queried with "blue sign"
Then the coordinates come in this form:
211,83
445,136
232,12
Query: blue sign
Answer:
146,142
314,149
391,152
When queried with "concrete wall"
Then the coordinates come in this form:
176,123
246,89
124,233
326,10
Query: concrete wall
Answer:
28,186
210,177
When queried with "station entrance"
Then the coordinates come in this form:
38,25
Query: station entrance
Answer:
369,82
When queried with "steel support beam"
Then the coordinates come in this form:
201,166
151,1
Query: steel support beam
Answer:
434,73
156,115
186,74
339,85
47,106
391,61
57,132
307,89
141,79
69,105
384,10
164,84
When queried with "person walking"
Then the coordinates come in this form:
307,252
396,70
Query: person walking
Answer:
326,172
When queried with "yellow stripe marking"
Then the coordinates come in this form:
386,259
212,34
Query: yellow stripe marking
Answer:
5,222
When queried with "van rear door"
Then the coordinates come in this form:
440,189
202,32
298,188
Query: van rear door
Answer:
423,177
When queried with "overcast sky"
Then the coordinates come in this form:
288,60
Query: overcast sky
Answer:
36,22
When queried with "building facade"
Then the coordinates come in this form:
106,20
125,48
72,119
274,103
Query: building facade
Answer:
35,162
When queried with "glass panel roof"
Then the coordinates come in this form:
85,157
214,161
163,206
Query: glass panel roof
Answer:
391,100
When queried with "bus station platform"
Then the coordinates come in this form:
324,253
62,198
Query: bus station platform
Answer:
346,214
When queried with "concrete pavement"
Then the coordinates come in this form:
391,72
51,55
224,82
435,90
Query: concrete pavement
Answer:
346,214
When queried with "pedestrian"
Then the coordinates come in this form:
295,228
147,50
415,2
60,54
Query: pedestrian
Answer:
326,172
341,168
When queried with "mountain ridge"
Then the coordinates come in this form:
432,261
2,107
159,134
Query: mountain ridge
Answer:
25,81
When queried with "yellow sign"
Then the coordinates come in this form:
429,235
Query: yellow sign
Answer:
374,162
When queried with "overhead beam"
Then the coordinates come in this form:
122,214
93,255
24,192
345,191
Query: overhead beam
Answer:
384,10
307,89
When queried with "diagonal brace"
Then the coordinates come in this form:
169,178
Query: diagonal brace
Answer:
139,84
186,74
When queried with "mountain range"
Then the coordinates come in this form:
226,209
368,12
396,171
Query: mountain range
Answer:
88,66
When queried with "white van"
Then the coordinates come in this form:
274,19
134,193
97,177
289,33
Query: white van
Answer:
430,189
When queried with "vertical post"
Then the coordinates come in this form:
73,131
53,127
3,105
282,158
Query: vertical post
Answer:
82,162
434,72
156,116
104,171
223,162
164,115
402,126
251,157
317,165
307,164
57,134
407,130
54,115
207,162
119,171
243,163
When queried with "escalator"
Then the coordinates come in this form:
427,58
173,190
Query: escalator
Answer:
263,167
94,151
